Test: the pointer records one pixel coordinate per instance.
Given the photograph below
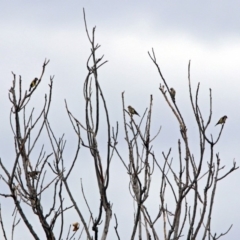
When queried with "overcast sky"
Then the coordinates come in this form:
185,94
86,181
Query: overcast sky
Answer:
205,32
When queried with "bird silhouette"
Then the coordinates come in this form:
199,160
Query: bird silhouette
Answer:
222,120
132,111
33,83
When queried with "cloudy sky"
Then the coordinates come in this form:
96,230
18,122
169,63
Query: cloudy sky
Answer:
207,33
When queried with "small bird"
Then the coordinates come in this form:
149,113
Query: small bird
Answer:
33,174
75,226
222,120
172,93
132,111
33,83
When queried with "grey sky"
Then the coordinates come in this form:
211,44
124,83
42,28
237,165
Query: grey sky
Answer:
207,32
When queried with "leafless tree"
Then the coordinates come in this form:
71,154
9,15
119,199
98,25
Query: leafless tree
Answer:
190,216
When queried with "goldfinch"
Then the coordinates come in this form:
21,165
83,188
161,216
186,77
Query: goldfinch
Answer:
222,120
132,111
75,226
172,94
33,174
33,83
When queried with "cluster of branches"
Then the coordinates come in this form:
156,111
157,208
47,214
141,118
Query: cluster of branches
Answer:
182,182
26,179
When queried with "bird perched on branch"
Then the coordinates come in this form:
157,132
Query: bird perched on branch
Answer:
173,94
222,120
33,83
75,226
132,111
33,174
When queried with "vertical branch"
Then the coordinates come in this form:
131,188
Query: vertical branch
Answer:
208,225
92,111
2,225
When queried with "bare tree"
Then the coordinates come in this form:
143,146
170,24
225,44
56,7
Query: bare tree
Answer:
190,217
